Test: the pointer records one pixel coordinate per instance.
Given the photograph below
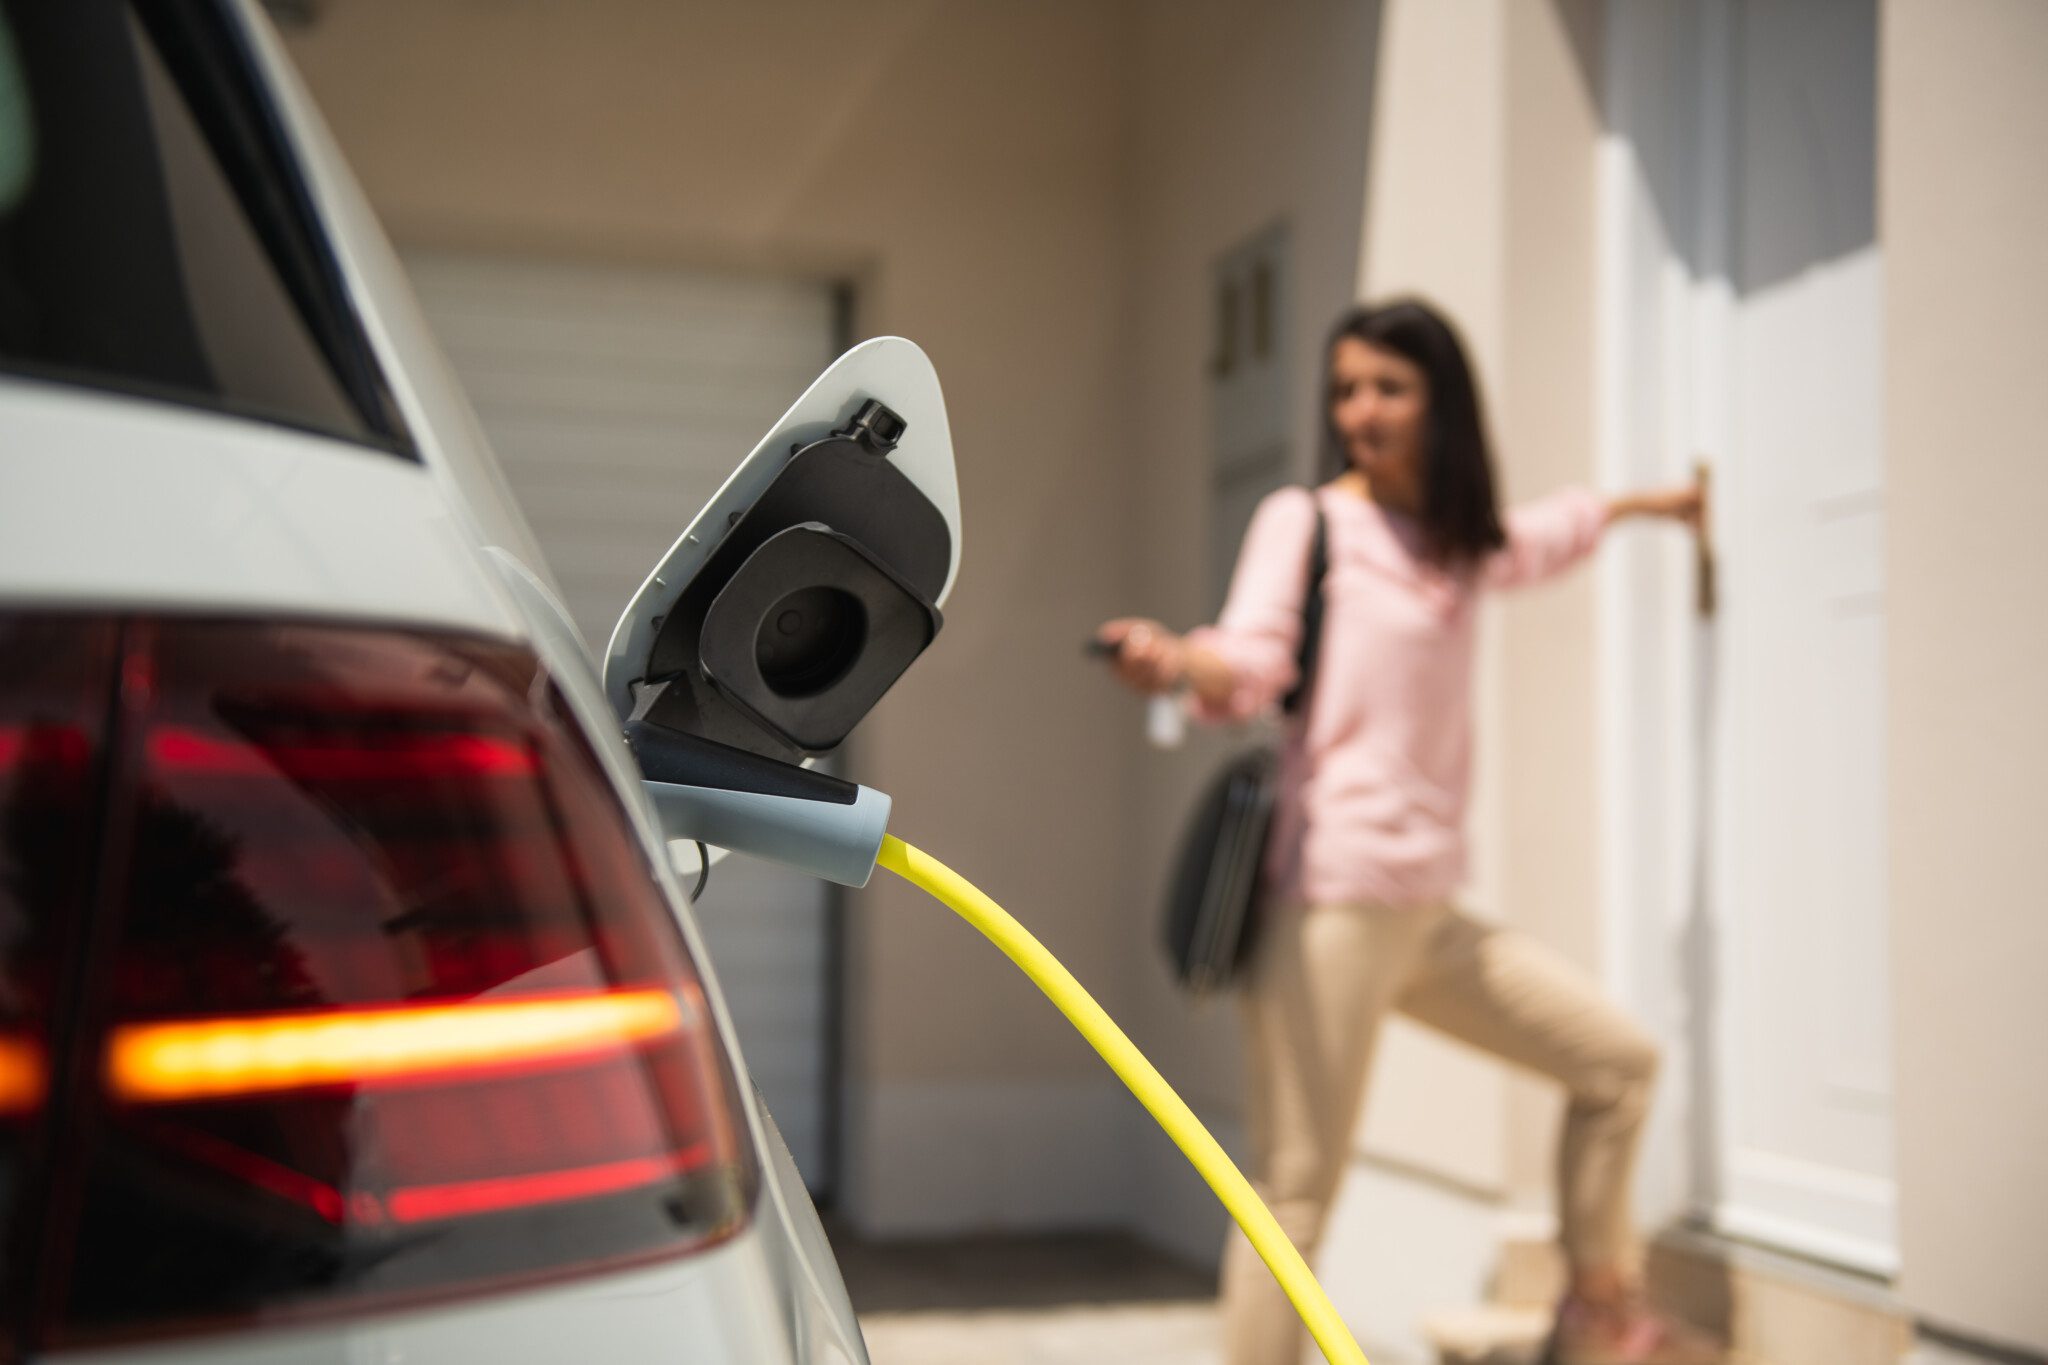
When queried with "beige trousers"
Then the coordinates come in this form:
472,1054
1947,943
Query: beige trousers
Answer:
1320,983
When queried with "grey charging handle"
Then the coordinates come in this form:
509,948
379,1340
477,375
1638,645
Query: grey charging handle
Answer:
712,792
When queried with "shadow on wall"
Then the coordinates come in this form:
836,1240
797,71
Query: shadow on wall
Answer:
1780,229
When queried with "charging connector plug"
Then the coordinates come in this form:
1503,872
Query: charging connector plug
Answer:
720,795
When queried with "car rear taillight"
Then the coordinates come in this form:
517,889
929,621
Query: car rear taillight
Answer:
54,683
364,990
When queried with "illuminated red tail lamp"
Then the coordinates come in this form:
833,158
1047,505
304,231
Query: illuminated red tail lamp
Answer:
410,1059
385,1000
23,1075
218,1058
394,758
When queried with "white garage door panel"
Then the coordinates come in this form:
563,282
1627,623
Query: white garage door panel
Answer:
618,400
539,390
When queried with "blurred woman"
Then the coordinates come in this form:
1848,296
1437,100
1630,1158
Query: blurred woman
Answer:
1368,841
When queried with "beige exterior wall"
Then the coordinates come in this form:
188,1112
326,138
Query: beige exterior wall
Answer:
1037,194
1492,215
967,166
1434,226
1545,422
1963,211
1486,137
1246,115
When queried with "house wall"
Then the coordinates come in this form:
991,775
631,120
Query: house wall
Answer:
1550,879
1482,197
1468,162
967,167
1036,194
1246,115
1435,227
1962,210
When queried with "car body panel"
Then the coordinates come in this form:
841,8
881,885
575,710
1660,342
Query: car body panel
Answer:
112,500
128,504
725,1296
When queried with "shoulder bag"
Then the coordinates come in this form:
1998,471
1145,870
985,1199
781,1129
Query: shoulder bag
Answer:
1212,900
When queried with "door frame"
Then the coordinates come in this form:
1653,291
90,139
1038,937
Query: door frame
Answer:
1665,321
1667,317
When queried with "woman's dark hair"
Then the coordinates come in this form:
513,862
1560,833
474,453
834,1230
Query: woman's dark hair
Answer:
1460,514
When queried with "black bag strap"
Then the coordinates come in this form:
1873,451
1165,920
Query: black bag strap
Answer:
1311,613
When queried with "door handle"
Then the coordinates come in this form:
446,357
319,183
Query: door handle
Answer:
1706,597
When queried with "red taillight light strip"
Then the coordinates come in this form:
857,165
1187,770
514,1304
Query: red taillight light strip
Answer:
427,1203
389,757
59,743
430,1203
220,1058
24,1075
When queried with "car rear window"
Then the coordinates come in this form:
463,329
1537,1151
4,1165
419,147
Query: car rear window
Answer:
155,237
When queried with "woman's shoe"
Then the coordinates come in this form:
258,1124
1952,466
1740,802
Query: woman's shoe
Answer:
1629,1333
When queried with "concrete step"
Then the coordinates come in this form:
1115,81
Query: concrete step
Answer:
1529,1274
1491,1334
1498,1335
1777,1309
1771,1308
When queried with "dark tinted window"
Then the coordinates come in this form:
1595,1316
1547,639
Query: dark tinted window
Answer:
154,236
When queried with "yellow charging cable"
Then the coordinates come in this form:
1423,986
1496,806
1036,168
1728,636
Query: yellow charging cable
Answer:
1180,1123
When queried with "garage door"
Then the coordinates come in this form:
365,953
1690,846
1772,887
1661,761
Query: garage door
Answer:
618,399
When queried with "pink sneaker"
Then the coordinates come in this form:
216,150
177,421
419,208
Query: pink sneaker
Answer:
1630,1333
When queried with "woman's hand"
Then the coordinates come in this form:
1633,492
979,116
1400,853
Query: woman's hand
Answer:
1149,658
1685,503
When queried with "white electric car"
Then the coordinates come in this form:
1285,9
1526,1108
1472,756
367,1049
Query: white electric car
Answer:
349,1008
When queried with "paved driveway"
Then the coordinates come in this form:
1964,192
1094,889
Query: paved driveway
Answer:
1029,1301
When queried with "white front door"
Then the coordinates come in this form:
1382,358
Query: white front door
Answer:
617,400
1755,294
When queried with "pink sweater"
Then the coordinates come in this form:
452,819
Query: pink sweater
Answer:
1374,781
